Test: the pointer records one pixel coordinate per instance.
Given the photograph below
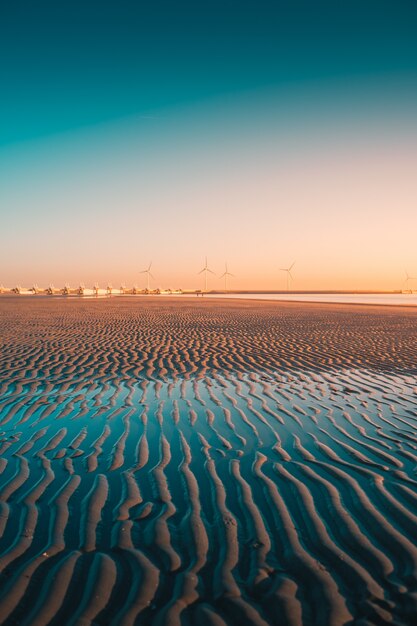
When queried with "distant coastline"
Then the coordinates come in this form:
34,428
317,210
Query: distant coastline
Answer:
364,298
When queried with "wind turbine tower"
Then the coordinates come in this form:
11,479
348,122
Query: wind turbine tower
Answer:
225,275
206,270
148,274
289,275
407,280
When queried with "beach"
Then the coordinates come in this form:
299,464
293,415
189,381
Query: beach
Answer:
198,461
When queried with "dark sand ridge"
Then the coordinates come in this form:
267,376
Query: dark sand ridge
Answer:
262,472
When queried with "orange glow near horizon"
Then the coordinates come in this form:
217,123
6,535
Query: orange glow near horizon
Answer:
100,205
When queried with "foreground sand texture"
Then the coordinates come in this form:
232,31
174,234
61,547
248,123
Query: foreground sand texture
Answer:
196,462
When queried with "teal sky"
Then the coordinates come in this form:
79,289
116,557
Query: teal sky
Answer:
219,123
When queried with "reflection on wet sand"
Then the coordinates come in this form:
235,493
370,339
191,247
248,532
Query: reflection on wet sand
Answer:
207,463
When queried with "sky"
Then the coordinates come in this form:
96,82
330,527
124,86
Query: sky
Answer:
253,133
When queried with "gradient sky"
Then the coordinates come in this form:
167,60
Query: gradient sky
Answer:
254,132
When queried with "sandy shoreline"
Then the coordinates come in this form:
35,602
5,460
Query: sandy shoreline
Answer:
408,301
200,462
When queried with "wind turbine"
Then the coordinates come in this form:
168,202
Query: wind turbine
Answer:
225,275
407,279
206,269
148,274
289,275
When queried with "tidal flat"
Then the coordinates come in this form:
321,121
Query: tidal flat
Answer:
191,461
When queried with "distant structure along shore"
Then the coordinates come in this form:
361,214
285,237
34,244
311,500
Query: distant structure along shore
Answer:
81,290
109,291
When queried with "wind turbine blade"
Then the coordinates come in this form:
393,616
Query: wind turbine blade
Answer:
203,270
152,276
210,270
291,266
223,275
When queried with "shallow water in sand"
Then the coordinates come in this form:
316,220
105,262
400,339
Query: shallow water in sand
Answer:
387,299
219,497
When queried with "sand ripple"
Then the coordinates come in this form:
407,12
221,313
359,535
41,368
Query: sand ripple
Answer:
194,465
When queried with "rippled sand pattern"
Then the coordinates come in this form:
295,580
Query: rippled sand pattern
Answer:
198,463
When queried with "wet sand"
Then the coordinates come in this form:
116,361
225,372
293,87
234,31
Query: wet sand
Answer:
207,462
